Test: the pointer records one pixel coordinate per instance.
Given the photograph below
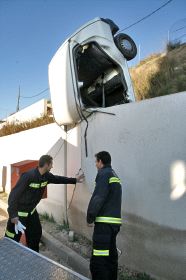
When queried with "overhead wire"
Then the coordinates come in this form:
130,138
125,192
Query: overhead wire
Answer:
147,16
81,111
181,37
35,95
178,29
81,114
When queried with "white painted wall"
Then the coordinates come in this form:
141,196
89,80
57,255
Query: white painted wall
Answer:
29,113
29,145
147,141
147,144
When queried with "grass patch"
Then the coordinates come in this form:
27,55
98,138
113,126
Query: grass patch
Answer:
46,217
64,226
11,128
160,74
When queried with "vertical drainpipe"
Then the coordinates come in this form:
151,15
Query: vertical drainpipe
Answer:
65,174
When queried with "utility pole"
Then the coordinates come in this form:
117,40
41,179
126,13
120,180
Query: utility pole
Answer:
65,174
139,53
168,36
18,100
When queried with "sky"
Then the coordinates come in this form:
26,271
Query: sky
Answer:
31,31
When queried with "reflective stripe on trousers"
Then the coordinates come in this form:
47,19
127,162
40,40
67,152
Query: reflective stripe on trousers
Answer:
100,252
10,234
109,220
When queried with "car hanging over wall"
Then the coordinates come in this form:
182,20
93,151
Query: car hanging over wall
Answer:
90,70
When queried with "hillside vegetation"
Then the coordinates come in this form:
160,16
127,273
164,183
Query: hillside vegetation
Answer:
160,74
11,128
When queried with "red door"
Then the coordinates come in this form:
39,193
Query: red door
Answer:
20,167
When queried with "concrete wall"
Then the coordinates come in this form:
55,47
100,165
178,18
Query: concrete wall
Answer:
147,144
147,141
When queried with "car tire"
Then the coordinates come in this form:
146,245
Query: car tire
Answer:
126,45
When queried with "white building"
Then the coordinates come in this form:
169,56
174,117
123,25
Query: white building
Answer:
34,111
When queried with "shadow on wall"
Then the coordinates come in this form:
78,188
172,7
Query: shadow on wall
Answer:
77,196
178,180
54,203
57,148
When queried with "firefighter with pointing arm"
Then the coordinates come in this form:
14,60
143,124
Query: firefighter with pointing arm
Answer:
104,211
25,196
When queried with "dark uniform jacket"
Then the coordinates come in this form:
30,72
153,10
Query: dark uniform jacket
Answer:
29,190
105,203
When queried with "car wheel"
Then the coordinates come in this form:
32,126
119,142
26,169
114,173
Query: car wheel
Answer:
126,45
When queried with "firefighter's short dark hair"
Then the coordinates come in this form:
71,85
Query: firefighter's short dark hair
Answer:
45,159
104,156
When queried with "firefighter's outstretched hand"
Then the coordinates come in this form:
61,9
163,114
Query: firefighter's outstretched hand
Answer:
19,227
80,177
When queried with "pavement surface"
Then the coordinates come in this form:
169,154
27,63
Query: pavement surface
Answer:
52,248
43,250
50,271
19,262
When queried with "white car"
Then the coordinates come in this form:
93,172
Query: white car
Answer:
90,70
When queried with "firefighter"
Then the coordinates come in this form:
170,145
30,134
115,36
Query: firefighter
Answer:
104,211
25,196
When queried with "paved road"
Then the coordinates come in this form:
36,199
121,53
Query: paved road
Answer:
43,249
3,220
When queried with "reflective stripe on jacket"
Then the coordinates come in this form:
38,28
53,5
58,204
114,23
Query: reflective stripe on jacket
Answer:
105,203
29,190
